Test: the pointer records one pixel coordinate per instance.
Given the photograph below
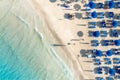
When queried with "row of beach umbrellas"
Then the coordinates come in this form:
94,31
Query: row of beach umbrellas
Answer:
111,4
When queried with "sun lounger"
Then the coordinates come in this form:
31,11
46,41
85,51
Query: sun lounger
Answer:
117,59
104,34
107,59
109,78
99,78
92,26
108,62
117,77
94,43
100,15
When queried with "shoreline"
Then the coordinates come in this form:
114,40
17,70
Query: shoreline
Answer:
72,62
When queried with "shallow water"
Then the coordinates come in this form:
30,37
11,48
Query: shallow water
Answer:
24,54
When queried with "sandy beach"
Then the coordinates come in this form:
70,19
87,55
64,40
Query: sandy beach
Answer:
63,31
59,40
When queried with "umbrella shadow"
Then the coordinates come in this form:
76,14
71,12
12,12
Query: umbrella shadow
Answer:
78,15
99,24
106,14
52,1
83,52
90,33
80,33
68,16
77,7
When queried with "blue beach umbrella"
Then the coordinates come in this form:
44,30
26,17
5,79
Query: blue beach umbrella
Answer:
96,33
100,5
117,42
103,24
112,72
115,23
118,4
109,53
110,14
94,14
111,4
92,5
99,53
118,71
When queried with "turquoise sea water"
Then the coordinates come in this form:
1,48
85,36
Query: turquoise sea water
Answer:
23,54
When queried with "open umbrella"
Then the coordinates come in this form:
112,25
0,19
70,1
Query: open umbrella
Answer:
118,4
115,23
111,4
118,71
96,33
92,5
110,14
94,14
109,53
99,53
112,72
103,24
100,5
117,42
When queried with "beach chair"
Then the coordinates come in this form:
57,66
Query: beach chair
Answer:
99,78
104,33
114,33
97,61
88,9
119,22
94,43
103,24
93,24
116,62
109,78
88,17
117,77
107,59
101,15
108,62
105,43
116,59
